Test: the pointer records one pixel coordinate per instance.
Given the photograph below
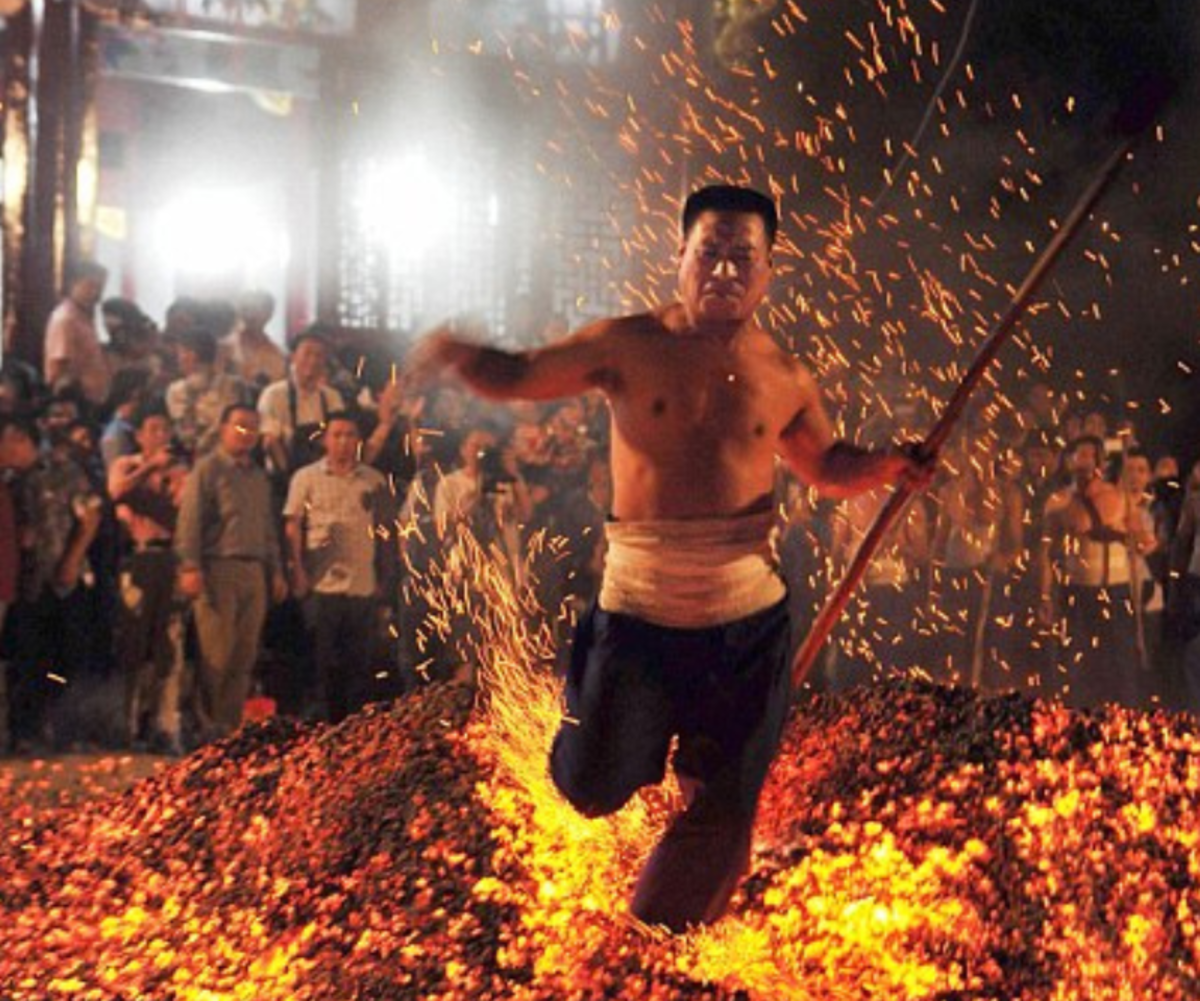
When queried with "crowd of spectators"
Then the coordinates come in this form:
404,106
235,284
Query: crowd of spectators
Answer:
1053,555
197,526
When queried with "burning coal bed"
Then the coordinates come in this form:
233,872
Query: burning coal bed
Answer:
914,842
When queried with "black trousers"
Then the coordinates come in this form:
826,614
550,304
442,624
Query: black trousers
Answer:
724,692
1098,654
149,652
52,638
343,627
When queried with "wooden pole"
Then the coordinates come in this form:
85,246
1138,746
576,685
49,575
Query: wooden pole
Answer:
928,449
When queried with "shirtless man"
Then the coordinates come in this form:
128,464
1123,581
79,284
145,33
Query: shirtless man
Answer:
689,636
1085,556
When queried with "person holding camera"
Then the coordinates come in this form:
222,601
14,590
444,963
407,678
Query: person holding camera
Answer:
486,494
484,502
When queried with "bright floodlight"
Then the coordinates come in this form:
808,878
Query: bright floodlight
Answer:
406,205
205,232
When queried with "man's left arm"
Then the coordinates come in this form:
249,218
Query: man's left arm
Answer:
88,508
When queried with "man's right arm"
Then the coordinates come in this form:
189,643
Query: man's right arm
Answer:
569,367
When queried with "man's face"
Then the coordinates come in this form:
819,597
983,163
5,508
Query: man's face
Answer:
1095,424
255,312
1040,461
82,438
86,292
59,414
1084,462
239,433
189,361
1041,400
154,434
1137,473
114,325
474,446
1167,468
341,440
308,361
724,267
17,449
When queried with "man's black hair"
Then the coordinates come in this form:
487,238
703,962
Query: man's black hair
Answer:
1041,438
218,315
127,386
24,424
126,310
256,297
319,332
150,408
343,415
731,198
84,270
202,343
185,304
231,408
1075,444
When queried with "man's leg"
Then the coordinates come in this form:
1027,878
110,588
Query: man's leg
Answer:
619,723
696,865
335,653
357,624
249,583
212,614
128,648
164,647
170,716
32,623
733,687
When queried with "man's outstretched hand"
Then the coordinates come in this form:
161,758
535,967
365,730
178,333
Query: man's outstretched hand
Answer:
439,353
914,467
429,359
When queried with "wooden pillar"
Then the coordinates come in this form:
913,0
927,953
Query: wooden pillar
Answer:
42,235
18,49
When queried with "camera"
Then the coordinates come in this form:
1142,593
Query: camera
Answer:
178,451
493,476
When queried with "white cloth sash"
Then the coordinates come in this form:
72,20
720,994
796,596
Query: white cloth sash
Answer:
692,573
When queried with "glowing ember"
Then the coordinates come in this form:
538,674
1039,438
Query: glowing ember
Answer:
914,842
